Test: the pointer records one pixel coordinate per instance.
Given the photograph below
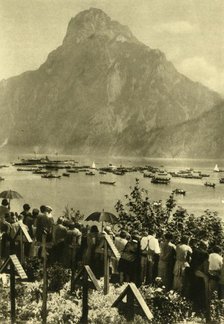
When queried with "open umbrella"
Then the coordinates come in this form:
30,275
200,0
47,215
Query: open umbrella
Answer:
102,217
10,194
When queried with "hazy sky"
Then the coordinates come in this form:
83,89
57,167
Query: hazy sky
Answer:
189,32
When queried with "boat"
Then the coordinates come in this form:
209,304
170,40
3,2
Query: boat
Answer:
179,192
102,172
90,173
204,175
1,179
148,175
221,180
118,172
209,184
108,182
65,174
160,179
73,171
40,172
27,169
50,176
216,168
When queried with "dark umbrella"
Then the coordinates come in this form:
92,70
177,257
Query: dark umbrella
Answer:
102,217
10,194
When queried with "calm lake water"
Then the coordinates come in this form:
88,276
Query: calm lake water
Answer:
88,195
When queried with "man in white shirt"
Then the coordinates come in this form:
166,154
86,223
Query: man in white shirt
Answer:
215,261
149,256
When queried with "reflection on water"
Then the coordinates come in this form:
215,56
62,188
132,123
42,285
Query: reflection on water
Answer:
87,194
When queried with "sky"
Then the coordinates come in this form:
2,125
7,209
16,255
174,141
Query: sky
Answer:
189,32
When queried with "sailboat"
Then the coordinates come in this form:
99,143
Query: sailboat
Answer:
93,165
216,168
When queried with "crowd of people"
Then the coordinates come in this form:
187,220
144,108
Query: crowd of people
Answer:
189,267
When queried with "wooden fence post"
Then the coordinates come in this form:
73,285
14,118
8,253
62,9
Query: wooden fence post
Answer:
21,247
85,307
86,273
73,262
13,293
106,269
44,305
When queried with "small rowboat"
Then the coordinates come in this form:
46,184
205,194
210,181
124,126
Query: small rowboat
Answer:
209,184
179,192
108,182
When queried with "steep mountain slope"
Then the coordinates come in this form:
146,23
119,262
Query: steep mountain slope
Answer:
199,138
101,91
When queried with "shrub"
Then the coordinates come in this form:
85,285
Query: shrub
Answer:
32,267
167,307
217,310
57,277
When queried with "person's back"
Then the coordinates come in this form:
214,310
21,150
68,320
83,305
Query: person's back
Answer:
26,212
200,277
215,260
167,261
4,209
199,257
43,224
182,252
60,233
183,255
39,227
153,244
120,241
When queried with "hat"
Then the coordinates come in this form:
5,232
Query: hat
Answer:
48,209
5,202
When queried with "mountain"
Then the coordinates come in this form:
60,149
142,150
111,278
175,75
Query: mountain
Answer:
101,91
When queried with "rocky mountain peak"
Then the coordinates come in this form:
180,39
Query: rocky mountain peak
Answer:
95,22
104,91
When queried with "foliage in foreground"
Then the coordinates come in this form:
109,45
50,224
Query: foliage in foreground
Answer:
65,308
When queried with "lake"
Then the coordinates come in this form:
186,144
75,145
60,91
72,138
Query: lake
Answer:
88,195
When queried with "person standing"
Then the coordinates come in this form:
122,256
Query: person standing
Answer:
150,251
200,280
215,261
183,254
44,226
167,261
4,209
26,212
129,263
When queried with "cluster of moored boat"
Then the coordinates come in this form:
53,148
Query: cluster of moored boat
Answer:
48,169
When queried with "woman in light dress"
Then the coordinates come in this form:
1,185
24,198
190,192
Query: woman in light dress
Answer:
183,255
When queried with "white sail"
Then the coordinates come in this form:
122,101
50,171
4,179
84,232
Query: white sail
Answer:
93,165
216,168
